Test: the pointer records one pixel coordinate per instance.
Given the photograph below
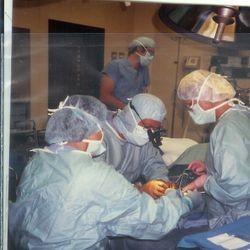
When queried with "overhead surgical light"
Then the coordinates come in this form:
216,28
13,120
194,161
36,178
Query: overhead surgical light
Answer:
221,25
225,15
127,3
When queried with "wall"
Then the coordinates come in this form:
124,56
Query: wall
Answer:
34,15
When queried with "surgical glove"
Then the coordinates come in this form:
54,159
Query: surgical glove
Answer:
172,193
155,188
195,197
198,167
170,185
198,183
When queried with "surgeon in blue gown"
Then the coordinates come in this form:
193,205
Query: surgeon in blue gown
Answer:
225,174
66,200
126,138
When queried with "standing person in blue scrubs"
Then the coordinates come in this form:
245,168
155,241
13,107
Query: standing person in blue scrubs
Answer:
225,174
66,200
124,78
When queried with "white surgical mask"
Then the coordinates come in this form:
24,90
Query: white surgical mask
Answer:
201,116
95,147
146,59
138,136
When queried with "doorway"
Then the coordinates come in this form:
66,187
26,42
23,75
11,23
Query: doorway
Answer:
76,55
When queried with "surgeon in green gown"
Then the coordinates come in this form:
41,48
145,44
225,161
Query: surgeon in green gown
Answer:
66,200
225,174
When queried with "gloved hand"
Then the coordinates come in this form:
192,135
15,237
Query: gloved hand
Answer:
155,188
195,197
198,184
170,185
173,193
198,167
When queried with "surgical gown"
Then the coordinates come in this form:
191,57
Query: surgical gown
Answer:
65,200
228,168
135,163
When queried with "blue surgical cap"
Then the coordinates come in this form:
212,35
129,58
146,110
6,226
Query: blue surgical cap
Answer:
149,107
70,124
89,104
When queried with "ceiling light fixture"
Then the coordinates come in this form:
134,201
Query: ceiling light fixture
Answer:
223,26
225,15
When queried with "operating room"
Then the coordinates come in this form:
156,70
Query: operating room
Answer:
58,48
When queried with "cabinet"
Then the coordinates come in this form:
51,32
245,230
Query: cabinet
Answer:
237,67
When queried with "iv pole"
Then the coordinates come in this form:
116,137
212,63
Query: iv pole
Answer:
175,86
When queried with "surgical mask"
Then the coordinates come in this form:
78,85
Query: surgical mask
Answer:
154,135
240,106
95,147
146,59
201,116
61,105
138,136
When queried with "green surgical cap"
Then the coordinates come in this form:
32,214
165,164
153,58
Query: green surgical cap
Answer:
146,41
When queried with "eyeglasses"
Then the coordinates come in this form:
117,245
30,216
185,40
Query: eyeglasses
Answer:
150,51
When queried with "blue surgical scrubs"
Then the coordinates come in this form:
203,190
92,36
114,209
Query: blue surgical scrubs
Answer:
128,80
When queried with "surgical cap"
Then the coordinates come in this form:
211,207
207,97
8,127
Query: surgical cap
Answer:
146,41
214,87
148,107
70,124
89,104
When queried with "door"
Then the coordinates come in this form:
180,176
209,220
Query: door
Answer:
76,54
